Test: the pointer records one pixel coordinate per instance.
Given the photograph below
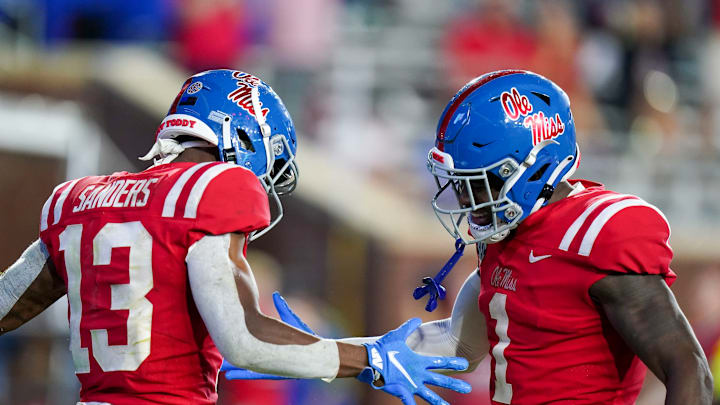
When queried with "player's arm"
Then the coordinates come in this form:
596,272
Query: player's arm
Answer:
226,295
643,310
28,287
463,334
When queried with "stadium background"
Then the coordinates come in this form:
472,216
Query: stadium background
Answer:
84,83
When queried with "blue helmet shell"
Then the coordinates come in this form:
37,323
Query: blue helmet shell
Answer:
516,125
212,96
245,119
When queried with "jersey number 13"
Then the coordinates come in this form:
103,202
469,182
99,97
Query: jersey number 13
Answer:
130,296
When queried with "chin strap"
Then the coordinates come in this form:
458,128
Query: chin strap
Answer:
433,286
548,188
266,179
264,128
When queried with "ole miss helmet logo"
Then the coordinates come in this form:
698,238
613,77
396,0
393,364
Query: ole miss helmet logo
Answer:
242,95
517,106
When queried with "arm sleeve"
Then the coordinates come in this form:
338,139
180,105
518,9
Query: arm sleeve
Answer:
17,278
463,334
634,241
212,282
232,202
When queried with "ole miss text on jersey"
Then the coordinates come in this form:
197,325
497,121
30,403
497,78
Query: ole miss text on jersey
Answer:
549,341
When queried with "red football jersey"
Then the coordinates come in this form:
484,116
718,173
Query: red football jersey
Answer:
549,341
120,243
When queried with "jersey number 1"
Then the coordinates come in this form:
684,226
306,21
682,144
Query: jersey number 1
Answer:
130,296
503,390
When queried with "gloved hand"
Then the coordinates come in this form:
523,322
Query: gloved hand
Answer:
402,371
287,316
405,373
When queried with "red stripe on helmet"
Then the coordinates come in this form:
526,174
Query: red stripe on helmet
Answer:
173,107
462,96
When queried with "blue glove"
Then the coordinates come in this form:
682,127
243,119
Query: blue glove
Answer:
389,350
289,317
405,372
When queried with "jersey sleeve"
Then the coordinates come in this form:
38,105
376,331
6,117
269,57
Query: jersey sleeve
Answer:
633,240
233,201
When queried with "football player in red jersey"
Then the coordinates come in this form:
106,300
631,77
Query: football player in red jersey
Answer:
572,279
153,263
570,297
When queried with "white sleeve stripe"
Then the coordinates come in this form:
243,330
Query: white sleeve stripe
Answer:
575,227
174,194
61,200
201,184
597,224
46,207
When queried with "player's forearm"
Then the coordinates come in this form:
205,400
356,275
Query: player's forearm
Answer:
263,345
463,334
225,294
690,382
41,294
317,360
352,357
438,339
18,277
27,287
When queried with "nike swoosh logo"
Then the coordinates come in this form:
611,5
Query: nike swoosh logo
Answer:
535,259
393,360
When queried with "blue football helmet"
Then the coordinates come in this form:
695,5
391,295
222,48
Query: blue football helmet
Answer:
503,144
248,123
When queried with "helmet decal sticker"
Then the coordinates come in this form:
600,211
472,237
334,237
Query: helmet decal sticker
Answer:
217,116
543,128
175,122
515,105
194,88
242,95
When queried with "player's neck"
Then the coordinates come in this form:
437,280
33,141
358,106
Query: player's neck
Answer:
561,191
197,155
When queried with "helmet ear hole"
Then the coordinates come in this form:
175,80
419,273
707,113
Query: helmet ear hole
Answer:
538,174
245,141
